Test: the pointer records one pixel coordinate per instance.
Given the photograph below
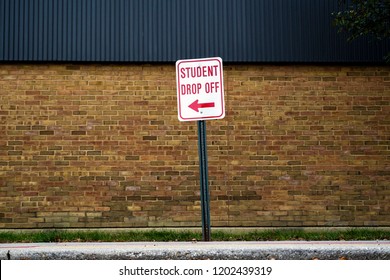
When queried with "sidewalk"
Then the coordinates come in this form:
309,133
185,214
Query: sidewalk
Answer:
279,250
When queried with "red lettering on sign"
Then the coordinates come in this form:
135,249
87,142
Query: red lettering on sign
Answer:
212,87
191,88
199,72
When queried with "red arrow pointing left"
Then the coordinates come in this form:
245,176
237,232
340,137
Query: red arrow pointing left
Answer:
196,105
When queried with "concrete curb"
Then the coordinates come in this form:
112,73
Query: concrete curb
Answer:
286,250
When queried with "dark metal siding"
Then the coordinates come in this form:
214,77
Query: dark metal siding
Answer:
168,30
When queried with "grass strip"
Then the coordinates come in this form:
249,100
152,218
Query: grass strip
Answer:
166,235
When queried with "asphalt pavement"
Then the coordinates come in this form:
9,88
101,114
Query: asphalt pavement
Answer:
278,250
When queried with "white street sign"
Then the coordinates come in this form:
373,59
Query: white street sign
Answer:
200,89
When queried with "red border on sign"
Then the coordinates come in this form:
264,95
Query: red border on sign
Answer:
221,81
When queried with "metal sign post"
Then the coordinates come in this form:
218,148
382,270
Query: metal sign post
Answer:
204,182
200,97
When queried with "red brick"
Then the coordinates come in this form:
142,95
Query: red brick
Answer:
101,146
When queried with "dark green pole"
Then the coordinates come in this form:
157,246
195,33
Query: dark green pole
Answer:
204,181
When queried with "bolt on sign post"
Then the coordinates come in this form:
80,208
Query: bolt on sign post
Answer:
199,98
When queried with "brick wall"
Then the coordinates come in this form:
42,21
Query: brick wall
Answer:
101,146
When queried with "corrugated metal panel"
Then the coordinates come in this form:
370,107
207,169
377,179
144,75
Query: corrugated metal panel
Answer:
168,30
